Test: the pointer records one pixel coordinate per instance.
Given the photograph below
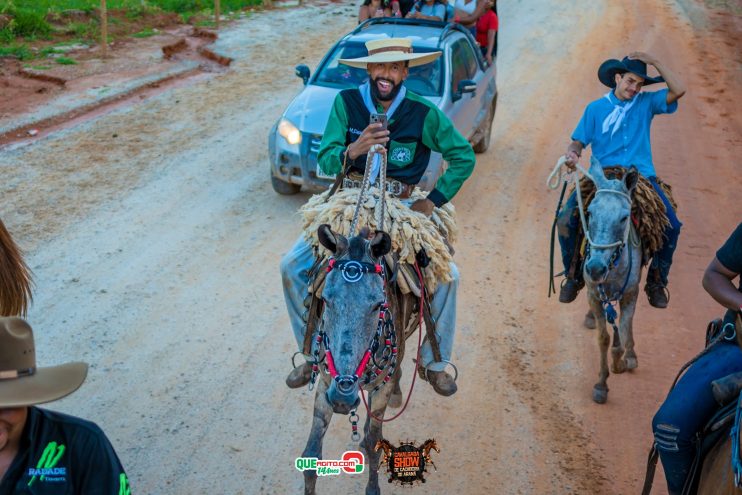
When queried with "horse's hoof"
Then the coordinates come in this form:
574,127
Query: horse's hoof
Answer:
618,367
589,321
631,363
600,395
395,400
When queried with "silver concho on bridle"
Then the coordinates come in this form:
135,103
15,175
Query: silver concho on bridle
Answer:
352,271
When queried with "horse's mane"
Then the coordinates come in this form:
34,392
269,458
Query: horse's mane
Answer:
15,277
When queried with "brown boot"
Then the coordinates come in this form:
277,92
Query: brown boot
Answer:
299,376
442,382
657,293
569,290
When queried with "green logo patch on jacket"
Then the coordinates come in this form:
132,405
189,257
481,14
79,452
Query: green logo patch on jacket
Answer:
401,154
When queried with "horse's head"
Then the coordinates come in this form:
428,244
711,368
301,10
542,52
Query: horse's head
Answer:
609,222
353,295
429,445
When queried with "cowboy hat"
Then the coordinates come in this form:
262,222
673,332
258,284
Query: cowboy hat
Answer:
391,50
21,382
611,67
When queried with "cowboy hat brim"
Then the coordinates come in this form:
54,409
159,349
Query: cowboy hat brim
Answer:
415,59
608,70
45,385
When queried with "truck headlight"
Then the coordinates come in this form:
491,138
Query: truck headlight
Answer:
289,132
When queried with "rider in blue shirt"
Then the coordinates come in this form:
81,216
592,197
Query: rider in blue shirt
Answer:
617,126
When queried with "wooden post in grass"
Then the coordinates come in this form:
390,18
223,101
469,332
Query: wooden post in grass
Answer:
103,29
217,14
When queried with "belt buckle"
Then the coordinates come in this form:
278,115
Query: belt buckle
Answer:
395,187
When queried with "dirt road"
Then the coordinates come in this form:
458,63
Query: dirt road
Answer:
155,239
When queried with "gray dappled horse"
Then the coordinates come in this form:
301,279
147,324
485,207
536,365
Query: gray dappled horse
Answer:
612,270
15,277
353,296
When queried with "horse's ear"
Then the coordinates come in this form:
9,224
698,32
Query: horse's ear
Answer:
380,244
631,179
596,172
334,242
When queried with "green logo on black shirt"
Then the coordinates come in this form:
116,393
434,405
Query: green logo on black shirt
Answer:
124,487
46,469
401,154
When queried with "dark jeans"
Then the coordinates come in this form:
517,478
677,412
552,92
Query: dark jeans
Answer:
568,223
687,409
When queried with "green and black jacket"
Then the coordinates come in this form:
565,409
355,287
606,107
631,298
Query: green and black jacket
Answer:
416,128
64,455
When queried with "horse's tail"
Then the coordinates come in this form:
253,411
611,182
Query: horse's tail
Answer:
15,277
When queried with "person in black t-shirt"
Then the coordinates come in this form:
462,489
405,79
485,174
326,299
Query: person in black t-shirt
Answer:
44,452
691,403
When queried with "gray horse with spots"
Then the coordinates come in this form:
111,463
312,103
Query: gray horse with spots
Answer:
354,295
612,270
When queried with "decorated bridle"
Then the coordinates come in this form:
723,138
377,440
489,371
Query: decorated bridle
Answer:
352,271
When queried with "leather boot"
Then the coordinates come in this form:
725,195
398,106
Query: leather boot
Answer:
569,290
657,293
299,376
442,382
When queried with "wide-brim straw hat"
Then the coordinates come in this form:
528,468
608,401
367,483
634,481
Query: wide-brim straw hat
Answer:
391,50
21,382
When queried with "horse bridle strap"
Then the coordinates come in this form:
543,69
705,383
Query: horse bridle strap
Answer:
352,270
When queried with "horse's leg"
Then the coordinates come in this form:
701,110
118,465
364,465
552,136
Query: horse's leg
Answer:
600,390
372,434
618,365
322,416
395,400
626,329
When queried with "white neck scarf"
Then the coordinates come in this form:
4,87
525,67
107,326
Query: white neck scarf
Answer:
365,90
617,115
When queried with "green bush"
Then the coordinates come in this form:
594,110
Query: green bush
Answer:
65,61
29,23
21,52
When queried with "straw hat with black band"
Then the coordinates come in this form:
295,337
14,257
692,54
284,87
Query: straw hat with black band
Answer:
21,382
389,50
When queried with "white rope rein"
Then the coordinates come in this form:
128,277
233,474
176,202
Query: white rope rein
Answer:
555,178
365,184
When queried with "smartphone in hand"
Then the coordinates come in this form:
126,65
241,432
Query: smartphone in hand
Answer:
379,118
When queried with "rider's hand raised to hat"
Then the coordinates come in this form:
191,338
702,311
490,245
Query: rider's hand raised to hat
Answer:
371,135
644,57
674,85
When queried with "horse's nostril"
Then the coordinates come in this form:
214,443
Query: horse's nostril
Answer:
345,385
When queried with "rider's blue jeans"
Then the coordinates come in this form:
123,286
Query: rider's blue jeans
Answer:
663,258
294,272
687,409
568,223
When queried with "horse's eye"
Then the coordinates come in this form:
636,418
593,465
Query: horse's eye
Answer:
623,220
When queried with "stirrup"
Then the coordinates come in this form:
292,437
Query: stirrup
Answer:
445,361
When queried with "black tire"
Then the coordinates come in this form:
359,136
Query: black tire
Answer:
284,188
484,143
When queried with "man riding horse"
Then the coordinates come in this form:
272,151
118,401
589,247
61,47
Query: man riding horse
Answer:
415,127
617,125
691,403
